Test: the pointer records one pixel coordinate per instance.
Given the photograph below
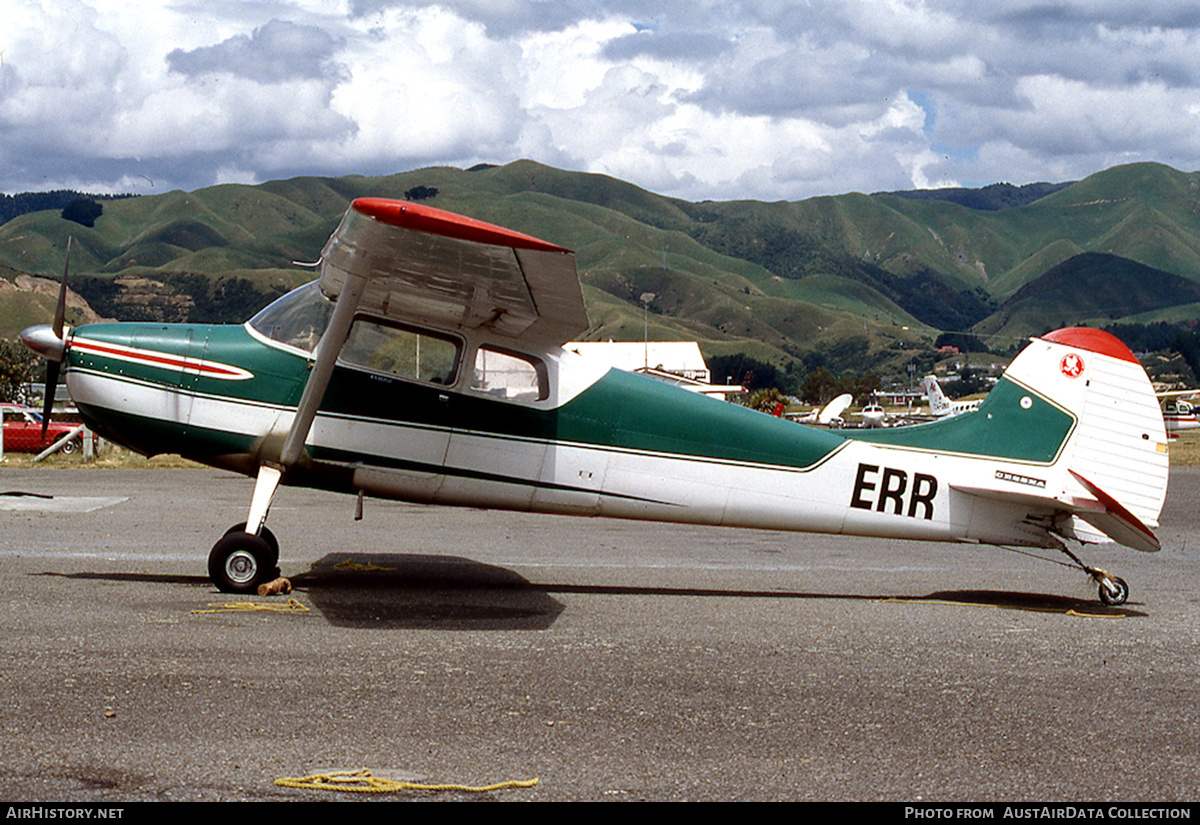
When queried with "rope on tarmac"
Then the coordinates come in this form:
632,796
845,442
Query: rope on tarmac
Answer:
359,567
363,781
292,606
1070,611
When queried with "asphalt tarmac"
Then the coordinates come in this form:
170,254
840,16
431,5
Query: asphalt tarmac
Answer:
608,660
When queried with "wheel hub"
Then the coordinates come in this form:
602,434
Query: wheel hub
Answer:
241,566
1113,590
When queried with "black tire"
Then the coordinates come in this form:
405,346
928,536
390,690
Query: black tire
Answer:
240,562
266,535
72,446
1114,591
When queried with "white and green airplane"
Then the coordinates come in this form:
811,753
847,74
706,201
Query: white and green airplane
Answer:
425,364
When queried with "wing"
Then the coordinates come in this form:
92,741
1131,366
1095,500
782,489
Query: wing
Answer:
406,262
428,266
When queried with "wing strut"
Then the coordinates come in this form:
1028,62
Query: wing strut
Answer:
328,348
264,490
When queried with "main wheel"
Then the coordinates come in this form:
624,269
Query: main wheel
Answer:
240,562
1113,590
266,535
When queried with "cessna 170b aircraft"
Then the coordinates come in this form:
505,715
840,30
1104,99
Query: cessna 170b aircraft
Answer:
425,364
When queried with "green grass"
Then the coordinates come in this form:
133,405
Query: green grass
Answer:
1185,450
113,458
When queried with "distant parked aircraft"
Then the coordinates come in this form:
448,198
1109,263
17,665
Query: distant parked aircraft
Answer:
1178,414
830,415
939,404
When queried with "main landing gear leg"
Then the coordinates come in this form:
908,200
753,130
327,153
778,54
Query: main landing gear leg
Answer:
1113,589
247,555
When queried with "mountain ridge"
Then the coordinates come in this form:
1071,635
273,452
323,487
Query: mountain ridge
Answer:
782,282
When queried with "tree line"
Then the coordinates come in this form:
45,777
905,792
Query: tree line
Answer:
12,206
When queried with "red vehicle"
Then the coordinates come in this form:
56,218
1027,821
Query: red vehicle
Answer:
23,431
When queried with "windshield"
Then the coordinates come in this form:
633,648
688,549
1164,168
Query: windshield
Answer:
298,319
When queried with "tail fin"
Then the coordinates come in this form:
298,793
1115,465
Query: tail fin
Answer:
939,404
834,409
1073,431
1113,467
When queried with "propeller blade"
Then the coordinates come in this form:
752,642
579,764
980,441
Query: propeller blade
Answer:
60,310
53,366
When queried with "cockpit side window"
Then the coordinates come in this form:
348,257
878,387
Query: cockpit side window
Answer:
510,376
404,352
298,319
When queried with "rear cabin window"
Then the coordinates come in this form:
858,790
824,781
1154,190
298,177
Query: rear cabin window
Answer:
509,376
417,355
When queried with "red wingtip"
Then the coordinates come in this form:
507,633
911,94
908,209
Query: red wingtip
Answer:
440,222
1092,340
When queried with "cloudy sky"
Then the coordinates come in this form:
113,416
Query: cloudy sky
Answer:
720,99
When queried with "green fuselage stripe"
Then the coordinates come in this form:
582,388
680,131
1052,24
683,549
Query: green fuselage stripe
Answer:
621,411
1013,423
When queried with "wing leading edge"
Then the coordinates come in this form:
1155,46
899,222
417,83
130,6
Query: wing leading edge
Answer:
427,266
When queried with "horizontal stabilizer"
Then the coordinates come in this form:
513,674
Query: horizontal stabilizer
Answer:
1117,522
1101,511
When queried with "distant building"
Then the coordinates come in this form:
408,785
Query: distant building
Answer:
900,398
673,362
682,358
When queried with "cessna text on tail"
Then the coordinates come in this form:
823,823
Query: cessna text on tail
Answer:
425,364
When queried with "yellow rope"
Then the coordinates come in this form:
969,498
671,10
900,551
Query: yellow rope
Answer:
362,781
292,606
369,567
968,603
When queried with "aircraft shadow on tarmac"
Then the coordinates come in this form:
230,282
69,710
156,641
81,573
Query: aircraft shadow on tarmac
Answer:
1035,602
455,593
387,590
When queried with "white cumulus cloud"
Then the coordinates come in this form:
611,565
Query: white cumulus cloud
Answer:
763,98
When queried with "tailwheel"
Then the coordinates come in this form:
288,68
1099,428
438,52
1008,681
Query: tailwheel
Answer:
1113,590
240,562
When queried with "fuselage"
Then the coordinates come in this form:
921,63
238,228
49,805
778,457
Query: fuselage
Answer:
584,439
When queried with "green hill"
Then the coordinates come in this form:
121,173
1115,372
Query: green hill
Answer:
994,197
781,282
1092,288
